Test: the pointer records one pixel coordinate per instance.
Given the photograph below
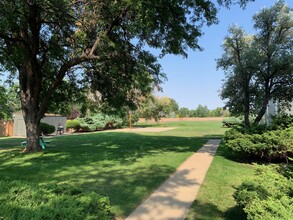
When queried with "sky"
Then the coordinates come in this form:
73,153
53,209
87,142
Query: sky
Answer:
196,81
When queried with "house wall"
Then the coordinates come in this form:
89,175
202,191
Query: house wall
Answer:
19,125
55,120
272,109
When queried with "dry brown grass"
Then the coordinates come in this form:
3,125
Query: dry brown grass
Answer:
184,119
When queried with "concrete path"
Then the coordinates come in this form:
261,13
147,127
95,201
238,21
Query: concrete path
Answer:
172,200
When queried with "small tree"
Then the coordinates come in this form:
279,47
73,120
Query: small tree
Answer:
218,112
184,112
202,111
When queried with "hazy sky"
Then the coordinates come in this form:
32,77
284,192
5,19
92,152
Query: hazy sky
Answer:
196,80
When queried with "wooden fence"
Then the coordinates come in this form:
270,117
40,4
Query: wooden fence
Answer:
6,128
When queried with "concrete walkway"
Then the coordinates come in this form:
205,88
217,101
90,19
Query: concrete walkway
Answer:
172,200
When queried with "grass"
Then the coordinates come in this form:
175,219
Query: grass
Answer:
126,167
215,199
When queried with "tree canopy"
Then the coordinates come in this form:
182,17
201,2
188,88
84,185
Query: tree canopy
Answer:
98,44
259,67
9,101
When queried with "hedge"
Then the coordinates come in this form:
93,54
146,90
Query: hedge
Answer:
46,128
231,122
269,145
73,124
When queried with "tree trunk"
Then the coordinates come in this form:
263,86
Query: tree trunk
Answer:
30,89
32,125
246,108
263,109
246,118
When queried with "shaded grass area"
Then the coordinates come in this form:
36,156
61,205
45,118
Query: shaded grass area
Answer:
215,199
127,167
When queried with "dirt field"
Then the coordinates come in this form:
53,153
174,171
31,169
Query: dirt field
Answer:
151,129
185,119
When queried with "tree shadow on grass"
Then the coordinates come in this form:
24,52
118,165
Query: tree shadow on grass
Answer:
208,211
111,164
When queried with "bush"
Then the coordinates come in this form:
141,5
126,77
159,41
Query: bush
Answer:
268,195
73,124
268,145
25,200
231,122
282,121
96,122
101,121
46,128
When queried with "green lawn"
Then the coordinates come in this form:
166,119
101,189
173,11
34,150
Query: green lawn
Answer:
127,167
215,199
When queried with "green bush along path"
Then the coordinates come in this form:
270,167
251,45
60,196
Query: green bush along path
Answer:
126,167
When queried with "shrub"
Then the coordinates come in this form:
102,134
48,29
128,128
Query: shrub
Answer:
282,121
113,121
268,195
231,122
232,134
46,128
101,121
25,200
73,124
267,145
93,123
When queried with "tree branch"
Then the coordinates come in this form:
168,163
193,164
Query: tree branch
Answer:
12,39
109,28
58,80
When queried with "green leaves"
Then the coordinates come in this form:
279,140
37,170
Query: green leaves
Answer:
259,67
267,195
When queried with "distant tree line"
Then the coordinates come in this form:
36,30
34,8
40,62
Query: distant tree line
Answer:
164,107
203,111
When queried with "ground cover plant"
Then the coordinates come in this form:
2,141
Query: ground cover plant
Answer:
261,142
268,194
125,167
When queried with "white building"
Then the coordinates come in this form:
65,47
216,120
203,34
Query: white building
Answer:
273,108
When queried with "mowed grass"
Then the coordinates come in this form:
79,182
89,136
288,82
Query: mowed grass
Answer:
126,167
215,199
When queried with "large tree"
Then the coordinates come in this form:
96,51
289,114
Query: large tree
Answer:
238,87
273,55
259,68
44,42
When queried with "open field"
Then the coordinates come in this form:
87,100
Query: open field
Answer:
127,167
142,120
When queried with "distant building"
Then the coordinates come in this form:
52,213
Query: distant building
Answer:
273,109
52,119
